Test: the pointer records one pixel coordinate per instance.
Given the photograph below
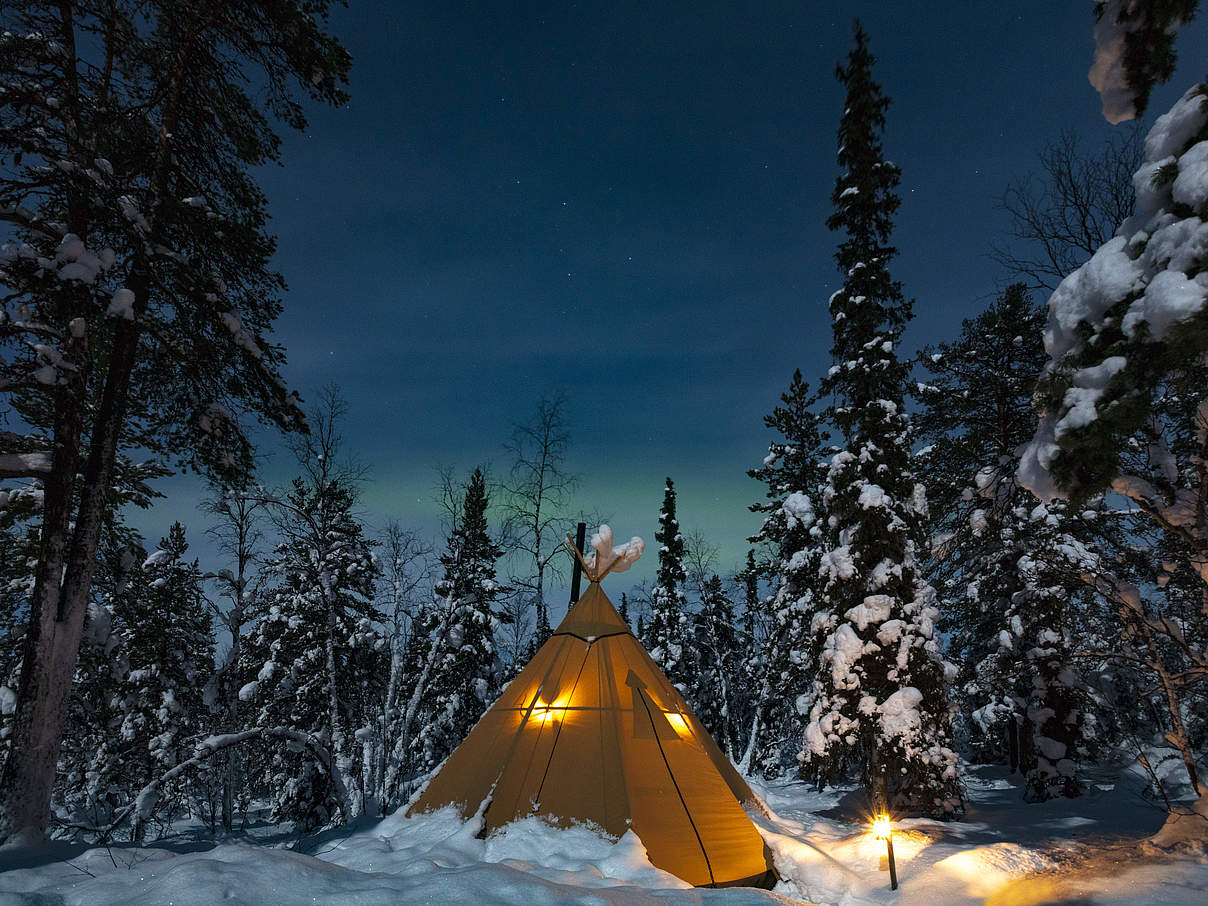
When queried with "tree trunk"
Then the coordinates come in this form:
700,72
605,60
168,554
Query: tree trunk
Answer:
877,782
1012,731
59,610
388,707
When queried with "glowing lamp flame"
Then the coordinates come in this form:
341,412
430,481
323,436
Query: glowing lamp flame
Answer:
882,827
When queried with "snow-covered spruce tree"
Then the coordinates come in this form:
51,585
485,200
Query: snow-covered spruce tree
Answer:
669,631
168,642
1122,399
879,705
1007,567
139,295
752,636
466,671
316,661
794,471
720,663
1134,51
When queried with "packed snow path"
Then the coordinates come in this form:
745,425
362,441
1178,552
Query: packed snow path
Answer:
1005,852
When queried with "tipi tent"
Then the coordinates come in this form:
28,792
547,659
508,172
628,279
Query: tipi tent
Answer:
592,731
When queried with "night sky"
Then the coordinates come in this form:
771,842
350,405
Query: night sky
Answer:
625,202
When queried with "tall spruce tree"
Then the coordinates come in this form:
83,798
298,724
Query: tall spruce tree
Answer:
315,661
669,632
791,535
879,704
139,293
720,664
753,638
1007,567
1123,405
168,640
467,671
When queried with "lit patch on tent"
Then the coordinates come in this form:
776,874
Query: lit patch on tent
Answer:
553,712
678,722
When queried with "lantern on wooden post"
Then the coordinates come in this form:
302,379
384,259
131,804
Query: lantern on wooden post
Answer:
882,829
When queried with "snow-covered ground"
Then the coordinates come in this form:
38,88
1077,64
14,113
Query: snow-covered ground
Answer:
1004,852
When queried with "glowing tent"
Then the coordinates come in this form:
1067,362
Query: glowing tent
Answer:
592,731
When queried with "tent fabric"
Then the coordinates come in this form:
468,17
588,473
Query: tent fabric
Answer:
592,731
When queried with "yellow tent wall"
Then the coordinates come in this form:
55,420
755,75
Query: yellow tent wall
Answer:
592,731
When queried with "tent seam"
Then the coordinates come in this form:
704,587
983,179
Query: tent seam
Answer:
670,773
557,736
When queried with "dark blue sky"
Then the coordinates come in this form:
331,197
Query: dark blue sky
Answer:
626,202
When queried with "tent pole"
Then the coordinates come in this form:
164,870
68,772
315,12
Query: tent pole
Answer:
577,575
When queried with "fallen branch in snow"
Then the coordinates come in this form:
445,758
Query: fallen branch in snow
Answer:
144,803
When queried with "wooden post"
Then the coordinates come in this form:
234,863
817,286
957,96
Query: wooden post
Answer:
893,868
577,576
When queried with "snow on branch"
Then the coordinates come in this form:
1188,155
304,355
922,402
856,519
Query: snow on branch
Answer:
26,219
143,805
25,465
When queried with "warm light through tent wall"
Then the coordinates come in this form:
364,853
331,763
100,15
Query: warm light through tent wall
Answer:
678,722
543,713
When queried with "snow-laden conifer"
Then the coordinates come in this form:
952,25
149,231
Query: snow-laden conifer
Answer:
316,661
168,643
669,631
465,671
720,662
1123,405
1008,567
792,542
139,295
879,705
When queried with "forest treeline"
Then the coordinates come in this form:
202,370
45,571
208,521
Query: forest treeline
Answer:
993,549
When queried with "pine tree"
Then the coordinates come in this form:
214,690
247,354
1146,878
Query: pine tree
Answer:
623,610
139,292
879,704
1008,567
794,472
18,559
753,637
1123,402
168,641
1128,74
720,664
315,661
668,633
466,672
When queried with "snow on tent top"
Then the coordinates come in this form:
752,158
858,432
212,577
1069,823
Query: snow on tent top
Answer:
591,731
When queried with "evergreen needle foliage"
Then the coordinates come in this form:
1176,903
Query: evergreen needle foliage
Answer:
879,704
